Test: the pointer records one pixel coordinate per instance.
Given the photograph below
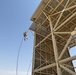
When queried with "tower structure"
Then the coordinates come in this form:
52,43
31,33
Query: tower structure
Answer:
54,26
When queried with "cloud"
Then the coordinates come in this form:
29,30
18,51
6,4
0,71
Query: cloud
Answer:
6,72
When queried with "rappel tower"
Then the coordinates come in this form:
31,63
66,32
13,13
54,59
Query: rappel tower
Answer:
54,26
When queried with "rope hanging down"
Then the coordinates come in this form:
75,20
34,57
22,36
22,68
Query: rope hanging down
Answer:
18,56
29,68
25,37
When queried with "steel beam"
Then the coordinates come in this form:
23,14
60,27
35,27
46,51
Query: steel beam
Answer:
41,55
55,48
62,32
74,6
45,67
43,40
33,59
61,14
65,10
65,21
67,59
69,66
64,49
68,70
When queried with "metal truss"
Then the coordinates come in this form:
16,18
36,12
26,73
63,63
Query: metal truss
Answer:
54,33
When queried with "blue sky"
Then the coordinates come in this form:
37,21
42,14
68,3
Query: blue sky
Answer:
14,20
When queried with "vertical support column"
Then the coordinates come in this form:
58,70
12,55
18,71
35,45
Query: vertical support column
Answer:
33,59
55,48
40,54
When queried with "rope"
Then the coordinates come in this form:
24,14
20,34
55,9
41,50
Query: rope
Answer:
29,68
31,32
31,60
27,31
18,56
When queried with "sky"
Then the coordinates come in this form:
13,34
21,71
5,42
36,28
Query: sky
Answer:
14,21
